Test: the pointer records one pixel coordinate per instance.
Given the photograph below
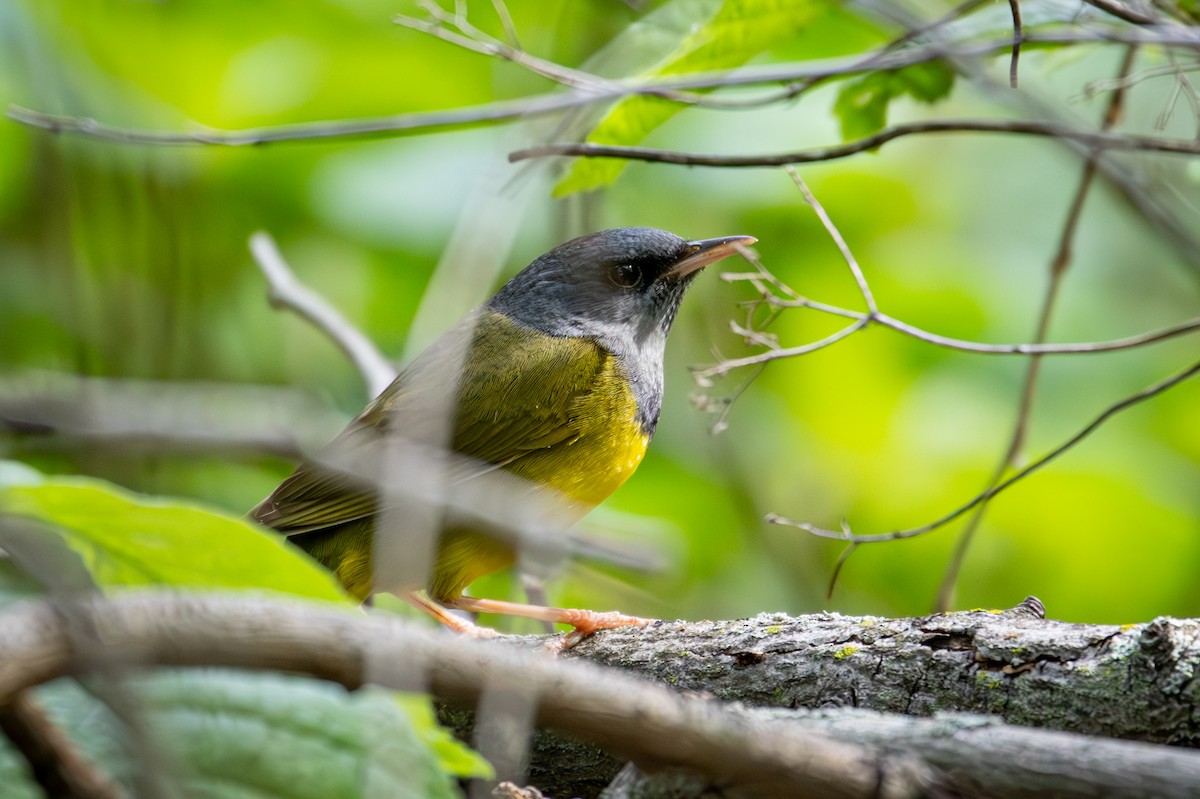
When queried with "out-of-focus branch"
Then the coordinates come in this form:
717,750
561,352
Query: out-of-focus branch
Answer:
972,657
54,411
54,761
441,25
646,722
1015,8
1021,127
286,291
847,535
1059,264
1124,12
540,105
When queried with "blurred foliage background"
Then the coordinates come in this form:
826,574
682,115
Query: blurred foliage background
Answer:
131,262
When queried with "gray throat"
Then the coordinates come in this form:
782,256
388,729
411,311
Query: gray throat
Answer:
642,365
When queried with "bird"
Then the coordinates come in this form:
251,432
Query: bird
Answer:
554,386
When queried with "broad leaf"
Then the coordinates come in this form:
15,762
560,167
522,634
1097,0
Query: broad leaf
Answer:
862,104
128,540
735,33
221,734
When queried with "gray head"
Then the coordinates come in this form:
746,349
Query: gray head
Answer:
619,287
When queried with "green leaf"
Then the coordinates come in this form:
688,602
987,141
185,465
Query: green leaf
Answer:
736,32
862,104
128,540
452,755
241,735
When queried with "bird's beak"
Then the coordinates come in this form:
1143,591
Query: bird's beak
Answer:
704,252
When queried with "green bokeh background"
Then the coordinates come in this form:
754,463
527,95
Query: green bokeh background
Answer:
132,262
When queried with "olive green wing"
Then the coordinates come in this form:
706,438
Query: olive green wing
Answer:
518,398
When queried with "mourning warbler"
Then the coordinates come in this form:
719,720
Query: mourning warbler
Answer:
555,383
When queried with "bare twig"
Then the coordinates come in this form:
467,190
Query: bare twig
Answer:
55,411
964,345
703,376
836,235
506,21
1124,12
471,38
1134,78
770,287
1112,410
538,105
1058,268
1053,130
286,291
54,761
1037,348
1015,8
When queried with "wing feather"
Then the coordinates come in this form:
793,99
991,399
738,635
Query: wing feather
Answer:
520,398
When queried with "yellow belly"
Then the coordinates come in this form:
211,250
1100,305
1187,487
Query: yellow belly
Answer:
605,448
584,470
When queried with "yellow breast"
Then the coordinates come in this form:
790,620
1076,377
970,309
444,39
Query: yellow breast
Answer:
608,447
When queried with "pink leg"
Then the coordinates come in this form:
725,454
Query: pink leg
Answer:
585,622
426,605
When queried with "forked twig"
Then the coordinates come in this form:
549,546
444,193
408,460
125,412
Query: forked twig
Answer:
286,291
847,535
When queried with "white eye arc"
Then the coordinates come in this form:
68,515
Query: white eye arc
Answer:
625,276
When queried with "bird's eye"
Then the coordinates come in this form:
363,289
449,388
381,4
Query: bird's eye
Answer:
625,276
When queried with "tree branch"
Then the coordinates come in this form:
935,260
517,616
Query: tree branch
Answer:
1112,410
286,291
651,724
1099,679
1059,263
1092,139
54,761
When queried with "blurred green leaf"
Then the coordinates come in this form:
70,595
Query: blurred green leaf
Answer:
862,104
128,540
736,32
453,756
236,735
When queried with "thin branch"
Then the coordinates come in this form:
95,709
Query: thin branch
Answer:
55,763
286,291
1058,268
1036,348
836,235
54,411
1112,410
471,38
964,345
1112,84
506,21
1091,139
763,278
1015,7
539,105
703,376
399,124
1124,12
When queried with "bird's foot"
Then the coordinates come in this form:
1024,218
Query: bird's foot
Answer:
446,618
584,622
